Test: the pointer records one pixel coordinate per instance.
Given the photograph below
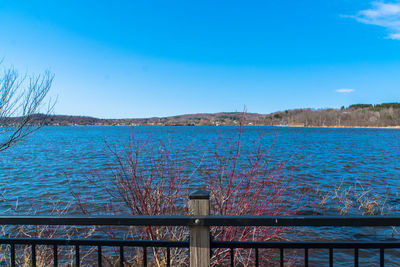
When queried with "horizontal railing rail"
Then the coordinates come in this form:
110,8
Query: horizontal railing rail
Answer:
309,244
182,220
95,242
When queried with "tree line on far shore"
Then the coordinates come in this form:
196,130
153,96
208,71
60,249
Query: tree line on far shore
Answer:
361,115
358,115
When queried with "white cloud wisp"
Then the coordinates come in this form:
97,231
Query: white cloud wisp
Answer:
345,91
382,14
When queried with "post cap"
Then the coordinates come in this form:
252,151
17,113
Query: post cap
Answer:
200,194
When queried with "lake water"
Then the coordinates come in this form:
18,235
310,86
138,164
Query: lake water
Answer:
34,173
37,169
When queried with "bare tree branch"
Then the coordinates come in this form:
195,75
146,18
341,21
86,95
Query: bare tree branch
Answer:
20,99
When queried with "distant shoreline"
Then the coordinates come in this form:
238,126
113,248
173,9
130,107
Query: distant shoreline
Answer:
382,116
282,126
340,127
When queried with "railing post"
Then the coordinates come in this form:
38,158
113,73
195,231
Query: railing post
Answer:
199,204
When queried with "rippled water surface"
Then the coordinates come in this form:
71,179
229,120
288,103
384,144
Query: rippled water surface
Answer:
37,169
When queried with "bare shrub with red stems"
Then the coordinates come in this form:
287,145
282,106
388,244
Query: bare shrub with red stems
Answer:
154,178
247,181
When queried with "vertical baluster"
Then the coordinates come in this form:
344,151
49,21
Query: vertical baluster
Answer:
144,257
77,256
99,256
382,257
306,257
281,256
232,257
55,255
33,255
356,257
331,257
121,256
12,252
256,257
168,257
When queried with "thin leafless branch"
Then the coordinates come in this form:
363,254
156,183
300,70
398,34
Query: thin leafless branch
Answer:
22,97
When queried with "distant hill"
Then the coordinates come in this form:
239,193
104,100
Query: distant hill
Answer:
357,115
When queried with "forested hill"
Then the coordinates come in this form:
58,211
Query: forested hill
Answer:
358,115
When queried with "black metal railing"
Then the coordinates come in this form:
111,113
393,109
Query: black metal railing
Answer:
200,244
355,246
189,221
99,243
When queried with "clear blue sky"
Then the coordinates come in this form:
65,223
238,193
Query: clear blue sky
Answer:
116,59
